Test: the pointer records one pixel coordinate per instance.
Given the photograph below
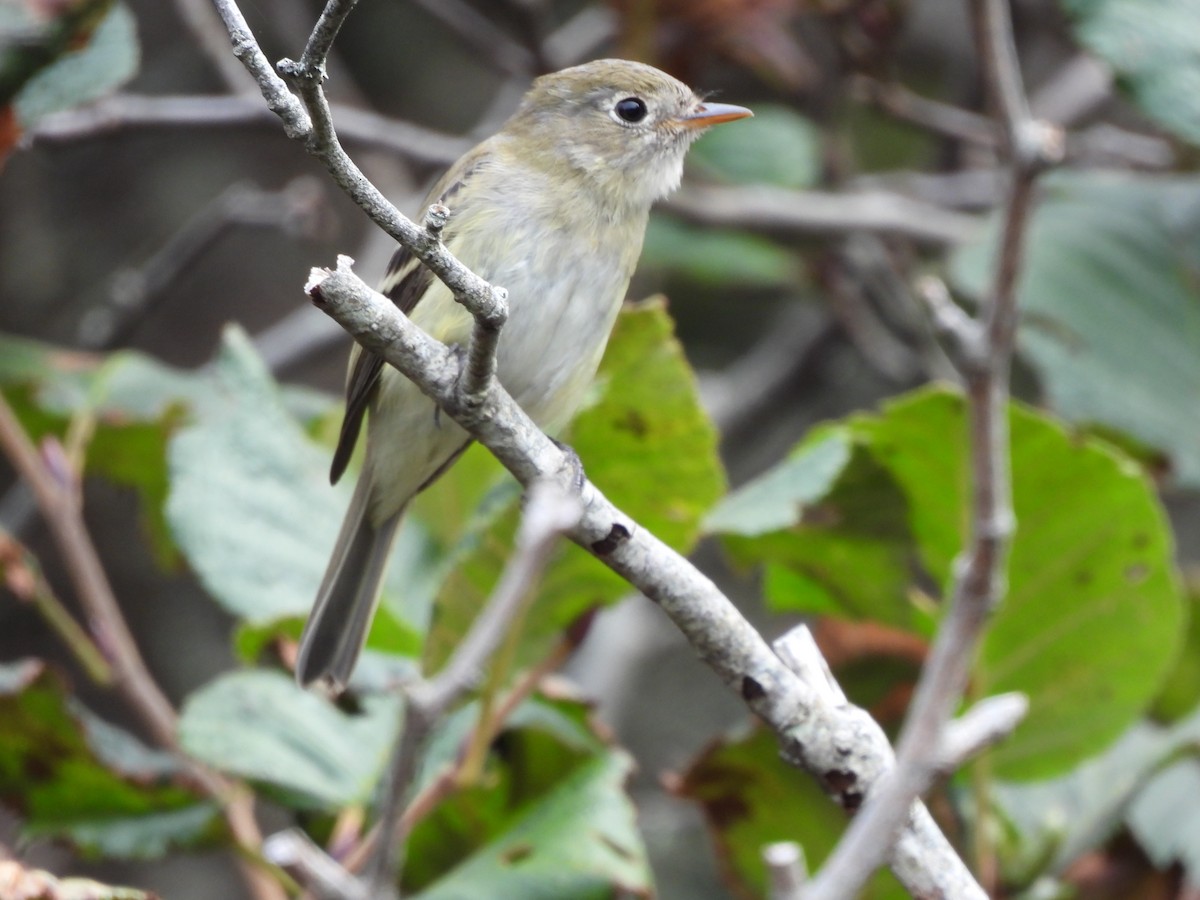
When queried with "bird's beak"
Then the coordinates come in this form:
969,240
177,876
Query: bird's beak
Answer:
713,114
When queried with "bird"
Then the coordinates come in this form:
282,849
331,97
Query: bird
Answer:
553,207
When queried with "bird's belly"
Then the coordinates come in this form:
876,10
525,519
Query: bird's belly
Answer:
554,339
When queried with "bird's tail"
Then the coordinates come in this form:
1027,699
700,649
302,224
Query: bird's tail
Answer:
337,627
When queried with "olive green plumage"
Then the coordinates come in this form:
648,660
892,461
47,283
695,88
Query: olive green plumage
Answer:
553,208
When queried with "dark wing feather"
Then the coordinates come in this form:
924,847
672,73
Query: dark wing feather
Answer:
405,283
405,289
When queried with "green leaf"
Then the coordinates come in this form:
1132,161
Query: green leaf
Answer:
578,840
544,741
648,443
777,147
778,498
261,726
108,59
841,543
251,507
1151,45
1052,823
740,784
130,403
718,257
74,776
1110,308
148,836
630,441
250,504
1180,693
1092,617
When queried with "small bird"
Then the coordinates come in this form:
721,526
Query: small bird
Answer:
553,208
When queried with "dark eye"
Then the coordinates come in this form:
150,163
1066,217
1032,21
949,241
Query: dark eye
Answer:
631,109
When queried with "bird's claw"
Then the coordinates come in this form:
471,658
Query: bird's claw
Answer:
574,463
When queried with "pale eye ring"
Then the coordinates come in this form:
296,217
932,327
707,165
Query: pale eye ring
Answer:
630,109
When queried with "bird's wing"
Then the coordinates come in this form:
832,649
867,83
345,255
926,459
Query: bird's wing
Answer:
405,282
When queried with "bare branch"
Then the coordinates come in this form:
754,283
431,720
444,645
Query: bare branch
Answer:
56,495
357,126
295,853
762,208
549,512
22,575
56,491
201,20
940,118
986,723
134,290
841,745
280,101
786,870
477,31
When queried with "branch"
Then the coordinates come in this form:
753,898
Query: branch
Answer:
200,19
985,724
57,493
980,572
22,575
786,870
134,291
762,208
549,512
840,744
934,115
359,126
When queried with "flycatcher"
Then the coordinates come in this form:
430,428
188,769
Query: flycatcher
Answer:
553,208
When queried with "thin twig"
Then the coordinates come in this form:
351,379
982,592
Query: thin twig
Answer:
294,852
762,208
21,573
940,118
982,726
980,572
280,101
549,512
493,45
134,291
786,870
311,122
136,111
56,492
57,501
201,20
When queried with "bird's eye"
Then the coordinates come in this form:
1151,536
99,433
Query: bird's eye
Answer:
631,109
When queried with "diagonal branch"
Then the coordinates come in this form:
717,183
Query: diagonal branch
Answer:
840,744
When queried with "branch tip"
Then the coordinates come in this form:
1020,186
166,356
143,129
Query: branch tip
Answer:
985,724
436,218
1038,145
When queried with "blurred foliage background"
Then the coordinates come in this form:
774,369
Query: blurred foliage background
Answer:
775,401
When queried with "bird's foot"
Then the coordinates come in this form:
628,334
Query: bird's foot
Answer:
574,464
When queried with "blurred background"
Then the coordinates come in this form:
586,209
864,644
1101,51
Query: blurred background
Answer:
124,227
